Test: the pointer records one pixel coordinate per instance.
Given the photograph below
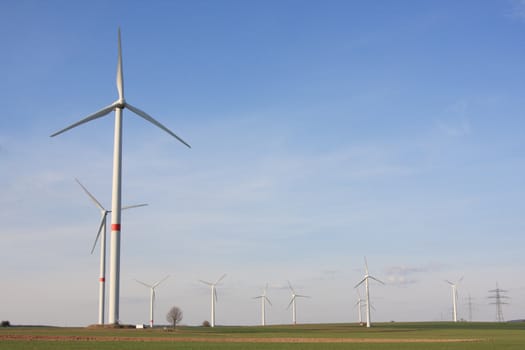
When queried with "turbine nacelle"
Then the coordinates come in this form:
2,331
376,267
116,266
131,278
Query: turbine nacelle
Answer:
121,104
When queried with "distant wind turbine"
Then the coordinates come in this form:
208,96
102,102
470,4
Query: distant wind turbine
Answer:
152,297
213,296
117,106
102,232
367,291
454,287
264,299
292,302
359,305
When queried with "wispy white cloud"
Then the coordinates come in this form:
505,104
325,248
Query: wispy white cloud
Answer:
517,9
459,127
403,276
456,121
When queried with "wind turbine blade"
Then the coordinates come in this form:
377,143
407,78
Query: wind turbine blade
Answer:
149,118
302,296
144,284
205,282
290,303
268,300
134,206
375,279
449,282
220,279
97,203
120,75
101,226
366,266
291,288
159,282
215,294
357,285
259,297
89,118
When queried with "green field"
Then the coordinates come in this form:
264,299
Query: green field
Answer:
432,336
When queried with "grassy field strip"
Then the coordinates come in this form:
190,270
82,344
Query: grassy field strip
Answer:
384,336
72,338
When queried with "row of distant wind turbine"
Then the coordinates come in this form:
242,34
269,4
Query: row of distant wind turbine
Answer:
264,299
117,106
368,305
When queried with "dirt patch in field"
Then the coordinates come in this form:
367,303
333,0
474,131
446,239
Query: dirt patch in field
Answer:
225,339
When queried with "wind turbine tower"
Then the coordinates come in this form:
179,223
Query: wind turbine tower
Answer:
102,232
499,296
213,296
365,280
292,302
454,287
152,298
118,106
264,299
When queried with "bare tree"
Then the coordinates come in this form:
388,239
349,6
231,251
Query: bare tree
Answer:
174,316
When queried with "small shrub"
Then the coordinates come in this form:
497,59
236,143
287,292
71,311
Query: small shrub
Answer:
6,324
206,324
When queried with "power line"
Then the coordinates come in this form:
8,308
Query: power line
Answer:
470,304
499,300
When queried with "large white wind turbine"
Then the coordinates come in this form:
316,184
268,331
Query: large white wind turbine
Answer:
117,106
102,232
152,297
213,296
264,299
367,291
292,302
454,287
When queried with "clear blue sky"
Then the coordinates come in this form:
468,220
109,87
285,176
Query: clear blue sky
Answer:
322,131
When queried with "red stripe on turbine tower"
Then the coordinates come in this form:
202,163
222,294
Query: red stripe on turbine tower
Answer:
115,227
102,279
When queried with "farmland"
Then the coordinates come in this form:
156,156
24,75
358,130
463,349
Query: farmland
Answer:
430,336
